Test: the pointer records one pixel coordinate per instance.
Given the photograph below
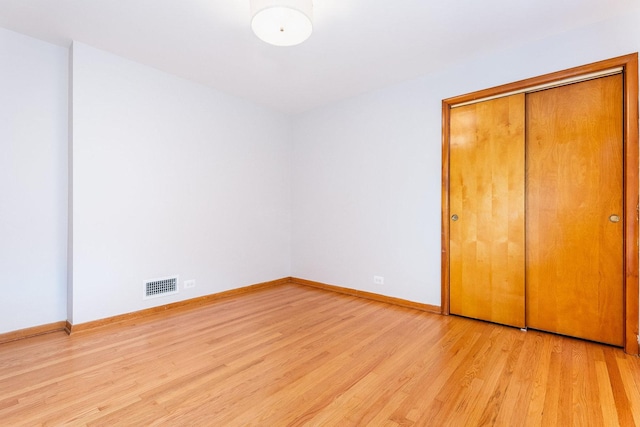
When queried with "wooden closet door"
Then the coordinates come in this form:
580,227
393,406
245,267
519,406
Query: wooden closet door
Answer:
574,210
487,207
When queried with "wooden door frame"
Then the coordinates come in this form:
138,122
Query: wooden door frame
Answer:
629,64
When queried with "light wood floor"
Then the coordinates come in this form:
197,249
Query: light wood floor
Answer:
292,355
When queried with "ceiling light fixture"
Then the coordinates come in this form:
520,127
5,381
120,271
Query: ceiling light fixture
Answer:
282,22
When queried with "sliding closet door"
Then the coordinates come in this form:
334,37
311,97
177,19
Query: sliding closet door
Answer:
574,210
487,210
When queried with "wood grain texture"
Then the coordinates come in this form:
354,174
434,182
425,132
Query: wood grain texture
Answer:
631,191
292,355
445,236
185,304
575,270
629,63
208,299
368,295
32,332
486,193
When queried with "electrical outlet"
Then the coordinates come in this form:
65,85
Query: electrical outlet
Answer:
378,280
189,284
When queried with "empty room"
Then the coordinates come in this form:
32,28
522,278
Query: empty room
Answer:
319,213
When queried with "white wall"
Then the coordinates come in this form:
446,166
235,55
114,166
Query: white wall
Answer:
33,183
365,191
170,177
366,187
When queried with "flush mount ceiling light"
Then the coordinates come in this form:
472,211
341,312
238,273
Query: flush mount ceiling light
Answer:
282,22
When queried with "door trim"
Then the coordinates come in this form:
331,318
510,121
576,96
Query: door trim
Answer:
629,65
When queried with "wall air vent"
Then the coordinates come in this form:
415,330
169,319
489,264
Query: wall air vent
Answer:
160,287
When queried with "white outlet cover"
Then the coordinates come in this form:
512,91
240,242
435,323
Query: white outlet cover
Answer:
378,280
189,284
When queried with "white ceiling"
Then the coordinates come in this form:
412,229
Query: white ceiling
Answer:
357,45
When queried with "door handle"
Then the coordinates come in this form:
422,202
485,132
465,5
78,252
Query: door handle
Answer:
454,217
614,218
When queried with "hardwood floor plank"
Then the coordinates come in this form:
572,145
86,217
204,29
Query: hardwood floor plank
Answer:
631,388
292,355
617,386
502,380
593,353
456,401
437,365
517,396
610,414
565,409
539,386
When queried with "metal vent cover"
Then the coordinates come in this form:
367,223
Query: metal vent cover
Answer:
161,287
